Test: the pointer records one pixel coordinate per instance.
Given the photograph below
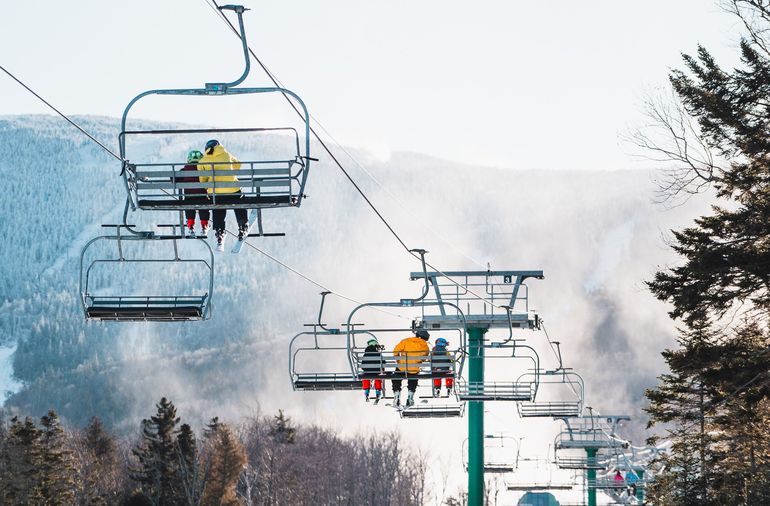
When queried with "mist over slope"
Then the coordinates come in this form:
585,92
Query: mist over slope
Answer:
597,235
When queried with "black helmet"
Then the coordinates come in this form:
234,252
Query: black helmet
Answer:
211,144
422,334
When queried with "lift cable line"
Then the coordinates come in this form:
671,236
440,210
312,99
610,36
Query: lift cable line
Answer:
307,278
345,172
62,114
108,150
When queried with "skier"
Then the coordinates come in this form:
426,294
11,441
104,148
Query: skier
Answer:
619,481
414,351
372,365
631,479
218,159
195,195
441,363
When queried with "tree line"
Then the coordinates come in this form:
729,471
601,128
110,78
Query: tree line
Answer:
262,461
713,404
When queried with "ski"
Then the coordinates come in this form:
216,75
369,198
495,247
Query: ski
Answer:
239,244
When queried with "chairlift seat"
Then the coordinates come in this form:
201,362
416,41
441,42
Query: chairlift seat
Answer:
497,468
433,411
570,462
145,308
326,381
549,409
495,391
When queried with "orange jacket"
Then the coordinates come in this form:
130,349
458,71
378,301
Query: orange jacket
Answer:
414,350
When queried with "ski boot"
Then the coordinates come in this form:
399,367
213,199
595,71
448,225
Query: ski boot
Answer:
204,231
190,233
378,396
243,230
220,235
366,395
436,391
397,398
410,399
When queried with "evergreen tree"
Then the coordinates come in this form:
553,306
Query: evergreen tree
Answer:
282,429
20,483
57,472
158,470
715,402
189,472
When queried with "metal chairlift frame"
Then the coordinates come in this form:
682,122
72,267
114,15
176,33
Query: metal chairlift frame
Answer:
492,467
255,181
516,390
555,409
147,307
390,364
342,380
587,432
459,292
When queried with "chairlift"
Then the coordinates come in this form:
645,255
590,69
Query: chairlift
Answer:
496,460
406,365
591,432
505,302
434,408
317,351
563,382
521,388
189,306
263,182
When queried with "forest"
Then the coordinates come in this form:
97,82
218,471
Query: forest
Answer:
265,460
714,402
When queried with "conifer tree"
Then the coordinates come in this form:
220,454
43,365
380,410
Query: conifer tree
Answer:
189,473
158,470
101,471
20,484
715,401
57,472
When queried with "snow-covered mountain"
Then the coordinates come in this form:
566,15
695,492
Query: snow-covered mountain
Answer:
597,235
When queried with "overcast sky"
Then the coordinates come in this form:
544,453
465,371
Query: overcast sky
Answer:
524,85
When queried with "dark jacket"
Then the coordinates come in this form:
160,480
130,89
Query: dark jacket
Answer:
441,360
372,360
194,179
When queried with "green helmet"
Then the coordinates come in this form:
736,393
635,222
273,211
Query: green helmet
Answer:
372,342
193,156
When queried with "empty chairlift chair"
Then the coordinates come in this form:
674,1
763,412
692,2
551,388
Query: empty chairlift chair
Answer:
318,358
513,357
563,393
126,302
593,435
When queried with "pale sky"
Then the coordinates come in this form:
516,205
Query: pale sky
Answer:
524,85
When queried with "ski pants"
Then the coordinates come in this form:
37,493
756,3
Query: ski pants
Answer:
241,215
448,381
368,383
204,214
411,383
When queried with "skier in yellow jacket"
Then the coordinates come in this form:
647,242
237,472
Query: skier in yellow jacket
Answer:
410,353
218,159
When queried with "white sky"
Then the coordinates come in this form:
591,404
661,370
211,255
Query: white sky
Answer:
526,85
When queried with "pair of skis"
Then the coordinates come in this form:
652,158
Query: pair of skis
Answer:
254,218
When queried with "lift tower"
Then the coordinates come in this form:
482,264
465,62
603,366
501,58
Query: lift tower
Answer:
489,300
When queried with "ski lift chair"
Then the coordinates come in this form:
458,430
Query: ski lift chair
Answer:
97,305
263,183
521,388
559,408
495,462
312,347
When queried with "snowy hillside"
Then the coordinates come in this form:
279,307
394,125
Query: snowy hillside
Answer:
596,235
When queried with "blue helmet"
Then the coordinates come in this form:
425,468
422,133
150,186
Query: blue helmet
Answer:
442,342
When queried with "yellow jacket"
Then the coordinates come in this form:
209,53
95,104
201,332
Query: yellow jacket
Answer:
414,350
220,155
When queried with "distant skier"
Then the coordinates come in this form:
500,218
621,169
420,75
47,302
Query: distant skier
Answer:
631,480
410,353
373,366
195,195
441,363
218,159
619,481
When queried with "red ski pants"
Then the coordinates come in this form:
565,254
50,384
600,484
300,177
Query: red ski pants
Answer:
368,383
437,382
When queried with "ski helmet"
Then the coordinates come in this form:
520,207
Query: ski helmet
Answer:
193,156
372,342
210,145
422,334
442,342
